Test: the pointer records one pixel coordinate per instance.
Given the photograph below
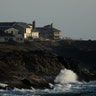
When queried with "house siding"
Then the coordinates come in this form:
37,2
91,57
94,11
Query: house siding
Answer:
12,31
35,35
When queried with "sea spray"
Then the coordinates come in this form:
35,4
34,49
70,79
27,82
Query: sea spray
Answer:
66,76
76,88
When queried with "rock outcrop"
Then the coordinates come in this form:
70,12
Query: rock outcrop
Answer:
26,69
38,63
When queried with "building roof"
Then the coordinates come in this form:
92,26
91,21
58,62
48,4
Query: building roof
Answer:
11,29
22,24
47,29
7,25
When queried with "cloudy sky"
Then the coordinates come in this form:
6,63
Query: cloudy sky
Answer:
75,18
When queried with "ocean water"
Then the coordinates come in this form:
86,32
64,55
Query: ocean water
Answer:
66,85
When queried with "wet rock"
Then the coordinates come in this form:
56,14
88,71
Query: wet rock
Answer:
38,63
84,73
16,67
36,82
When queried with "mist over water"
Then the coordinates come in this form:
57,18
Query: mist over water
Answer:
66,76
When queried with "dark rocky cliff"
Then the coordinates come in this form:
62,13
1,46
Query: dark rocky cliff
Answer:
37,63
26,69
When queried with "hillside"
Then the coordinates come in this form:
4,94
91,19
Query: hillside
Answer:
37,63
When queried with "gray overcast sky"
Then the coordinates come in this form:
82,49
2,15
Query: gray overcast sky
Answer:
75,18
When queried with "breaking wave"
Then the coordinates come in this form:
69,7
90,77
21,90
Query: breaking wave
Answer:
66,85
66,76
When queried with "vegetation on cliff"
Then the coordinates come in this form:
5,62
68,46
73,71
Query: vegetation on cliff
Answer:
37,63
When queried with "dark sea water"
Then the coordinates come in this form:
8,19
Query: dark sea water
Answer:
66,85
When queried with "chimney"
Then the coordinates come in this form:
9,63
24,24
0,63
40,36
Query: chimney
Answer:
51,25
34,25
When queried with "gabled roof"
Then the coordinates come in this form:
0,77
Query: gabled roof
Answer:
50,27
2,33
47,29
47,26
7,25
22,24
12,29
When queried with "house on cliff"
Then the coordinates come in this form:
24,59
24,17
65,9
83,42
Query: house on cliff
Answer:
47,32
5,37
35,33
7,29
20,30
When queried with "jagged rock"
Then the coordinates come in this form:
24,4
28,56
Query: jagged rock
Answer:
36,82
84,74
38,63
19,66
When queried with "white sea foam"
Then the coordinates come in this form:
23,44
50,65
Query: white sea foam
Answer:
75,87
66,76
25,90
3,85
66,82
61,88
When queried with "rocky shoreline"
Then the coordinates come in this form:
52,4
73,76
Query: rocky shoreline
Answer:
36,64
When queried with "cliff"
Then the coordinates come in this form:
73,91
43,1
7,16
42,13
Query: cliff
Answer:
23,69
37,63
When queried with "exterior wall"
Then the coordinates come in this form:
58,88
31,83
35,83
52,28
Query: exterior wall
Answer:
28,33
25,32
48,33
45,35
21,30
12,31
7,38
25,35
28,30
35,35
18,37
57,35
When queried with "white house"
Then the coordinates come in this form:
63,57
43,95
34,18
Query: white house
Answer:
27,32
35,35
12,31
17,36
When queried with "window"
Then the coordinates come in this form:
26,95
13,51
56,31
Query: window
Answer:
11,32
56,37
